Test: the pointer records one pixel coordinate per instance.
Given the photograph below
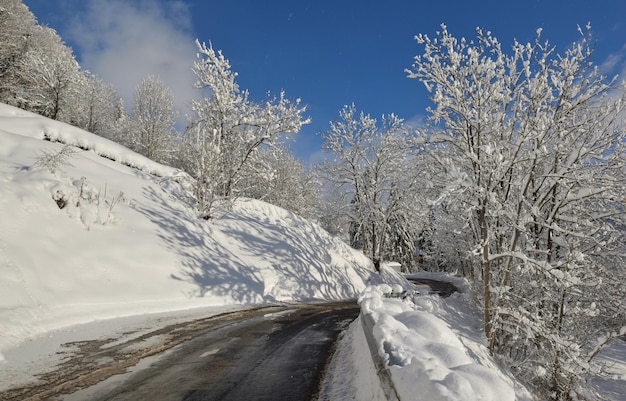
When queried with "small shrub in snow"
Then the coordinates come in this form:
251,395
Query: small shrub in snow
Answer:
55,161
108,205
86,202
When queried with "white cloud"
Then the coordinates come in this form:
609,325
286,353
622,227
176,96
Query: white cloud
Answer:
123,42
614,63
416,121
316,158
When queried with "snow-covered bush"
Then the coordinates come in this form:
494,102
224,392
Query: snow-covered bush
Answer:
85,202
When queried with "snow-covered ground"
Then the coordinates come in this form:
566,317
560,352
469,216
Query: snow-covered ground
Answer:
434,346
127,254
126,243
434,350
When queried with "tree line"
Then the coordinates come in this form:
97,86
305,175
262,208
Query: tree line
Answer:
231,146
515,181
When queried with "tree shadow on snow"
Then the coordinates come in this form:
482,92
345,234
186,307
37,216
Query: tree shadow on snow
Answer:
204,262
293,261
298,254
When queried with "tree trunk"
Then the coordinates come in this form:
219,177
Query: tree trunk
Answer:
375,254
486,267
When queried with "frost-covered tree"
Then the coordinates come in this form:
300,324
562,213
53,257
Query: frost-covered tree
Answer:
16,27
275,176
369,166
530,157
152,122
228,128
94,108
38,73
48,76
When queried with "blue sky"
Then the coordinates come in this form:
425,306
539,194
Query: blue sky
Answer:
327,52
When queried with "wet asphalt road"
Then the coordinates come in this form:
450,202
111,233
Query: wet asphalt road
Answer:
270,353
275,356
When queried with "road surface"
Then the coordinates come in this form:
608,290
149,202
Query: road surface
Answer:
275,353
442,288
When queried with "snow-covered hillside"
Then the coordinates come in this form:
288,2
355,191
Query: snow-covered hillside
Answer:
126,242
111,235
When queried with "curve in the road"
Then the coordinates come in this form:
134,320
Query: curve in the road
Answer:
280,356
443,288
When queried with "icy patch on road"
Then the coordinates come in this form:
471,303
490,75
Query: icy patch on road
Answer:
43,354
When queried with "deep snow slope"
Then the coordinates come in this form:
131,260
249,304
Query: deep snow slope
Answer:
127,242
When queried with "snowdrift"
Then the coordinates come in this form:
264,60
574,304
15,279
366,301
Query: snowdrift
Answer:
125,241
433,348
